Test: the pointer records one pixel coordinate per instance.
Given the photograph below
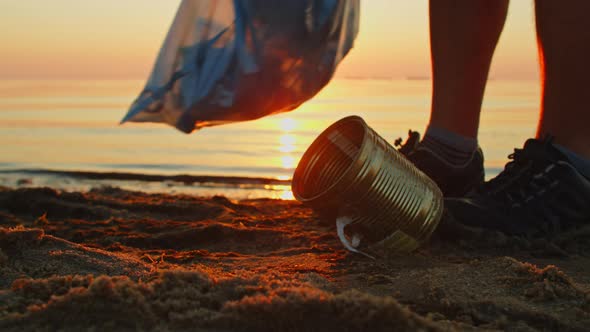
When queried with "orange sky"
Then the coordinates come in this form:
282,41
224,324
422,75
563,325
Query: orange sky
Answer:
119,39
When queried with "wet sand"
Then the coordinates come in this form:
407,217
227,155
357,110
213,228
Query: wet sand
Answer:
111,259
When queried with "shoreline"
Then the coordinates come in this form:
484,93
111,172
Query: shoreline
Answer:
234,187
131,176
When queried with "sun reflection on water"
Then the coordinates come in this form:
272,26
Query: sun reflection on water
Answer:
288,124
287,146
281,191
287,195
288,162
288,142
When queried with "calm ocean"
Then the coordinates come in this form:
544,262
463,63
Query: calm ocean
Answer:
73,126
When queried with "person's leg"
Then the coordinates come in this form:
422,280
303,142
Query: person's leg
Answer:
563,30
545,188
464,34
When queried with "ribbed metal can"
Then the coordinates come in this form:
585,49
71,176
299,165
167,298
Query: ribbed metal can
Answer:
349,170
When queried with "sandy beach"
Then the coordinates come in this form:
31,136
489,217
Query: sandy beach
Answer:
112,218
110,259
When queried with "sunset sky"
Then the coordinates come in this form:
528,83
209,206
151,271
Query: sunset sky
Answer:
119,39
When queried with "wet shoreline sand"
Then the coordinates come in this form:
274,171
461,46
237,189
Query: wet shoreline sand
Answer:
129,260
123,176
234,187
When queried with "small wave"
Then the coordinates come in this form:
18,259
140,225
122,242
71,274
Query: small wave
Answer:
181,178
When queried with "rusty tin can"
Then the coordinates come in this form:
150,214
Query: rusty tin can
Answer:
351,172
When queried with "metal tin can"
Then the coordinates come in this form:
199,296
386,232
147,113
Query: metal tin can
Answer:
349,170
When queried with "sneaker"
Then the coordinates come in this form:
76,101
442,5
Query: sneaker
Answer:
453,180
539,193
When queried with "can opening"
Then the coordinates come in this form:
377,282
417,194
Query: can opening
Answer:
328,158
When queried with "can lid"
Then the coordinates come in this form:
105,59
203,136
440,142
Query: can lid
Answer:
302,177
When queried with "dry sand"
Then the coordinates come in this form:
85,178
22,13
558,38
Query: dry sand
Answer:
119,260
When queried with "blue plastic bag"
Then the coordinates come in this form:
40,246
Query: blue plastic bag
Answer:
236,60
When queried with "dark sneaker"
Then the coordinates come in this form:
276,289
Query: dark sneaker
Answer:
453,180
538,193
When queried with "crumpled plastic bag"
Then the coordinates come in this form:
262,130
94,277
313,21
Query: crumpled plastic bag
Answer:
236,60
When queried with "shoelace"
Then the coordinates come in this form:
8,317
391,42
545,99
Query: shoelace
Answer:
517,165
410,144
535,186
525,177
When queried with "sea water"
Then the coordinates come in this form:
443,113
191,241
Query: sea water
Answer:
67,126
